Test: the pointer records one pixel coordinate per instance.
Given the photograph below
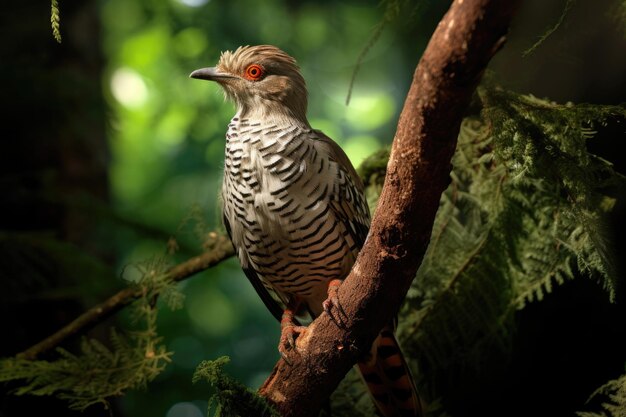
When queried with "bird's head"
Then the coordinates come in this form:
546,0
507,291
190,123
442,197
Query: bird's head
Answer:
262,80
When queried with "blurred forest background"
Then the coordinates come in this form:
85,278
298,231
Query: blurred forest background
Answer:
110,153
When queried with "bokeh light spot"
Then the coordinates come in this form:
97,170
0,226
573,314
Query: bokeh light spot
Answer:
328,127
360,147
369,112
184,409
194,3
128,87
173,126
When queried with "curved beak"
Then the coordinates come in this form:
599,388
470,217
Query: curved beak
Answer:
211,74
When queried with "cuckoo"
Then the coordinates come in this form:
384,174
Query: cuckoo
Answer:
295,210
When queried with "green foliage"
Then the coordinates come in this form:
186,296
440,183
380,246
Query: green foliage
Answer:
523,213
233,399
614,404
154,281
95,375
99,372
55,19
543,148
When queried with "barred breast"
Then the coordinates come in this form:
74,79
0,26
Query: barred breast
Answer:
297,214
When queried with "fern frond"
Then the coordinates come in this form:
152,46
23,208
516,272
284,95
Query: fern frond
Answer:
92,377
614,403
98,372
523,214
544,145
55,20
154,281
233,399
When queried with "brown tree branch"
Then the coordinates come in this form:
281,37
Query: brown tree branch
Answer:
221,250
418,172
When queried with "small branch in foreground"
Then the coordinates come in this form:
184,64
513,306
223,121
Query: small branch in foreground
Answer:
417,174
221,250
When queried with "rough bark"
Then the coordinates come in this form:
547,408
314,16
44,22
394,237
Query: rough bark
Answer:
418,172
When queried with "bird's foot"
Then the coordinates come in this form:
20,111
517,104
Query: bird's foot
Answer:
289,331
332,306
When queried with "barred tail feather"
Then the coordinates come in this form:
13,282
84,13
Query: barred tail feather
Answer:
388,379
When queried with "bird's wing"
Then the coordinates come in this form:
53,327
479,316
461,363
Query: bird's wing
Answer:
271,302
359,210
348,201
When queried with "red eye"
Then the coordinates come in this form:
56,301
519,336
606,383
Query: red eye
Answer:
254,72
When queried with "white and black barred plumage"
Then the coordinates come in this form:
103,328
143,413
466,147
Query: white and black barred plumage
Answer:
296,212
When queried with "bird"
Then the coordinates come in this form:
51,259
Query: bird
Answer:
295,210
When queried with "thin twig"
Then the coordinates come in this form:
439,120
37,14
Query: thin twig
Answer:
550,31
221,250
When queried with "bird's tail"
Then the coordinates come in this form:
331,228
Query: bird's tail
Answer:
388,378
